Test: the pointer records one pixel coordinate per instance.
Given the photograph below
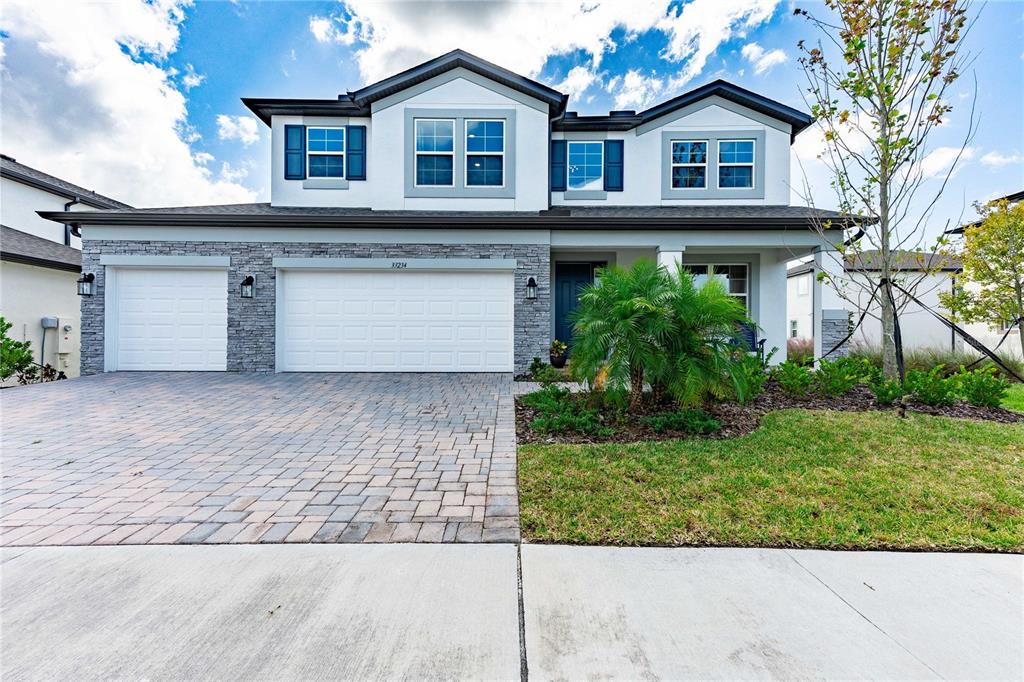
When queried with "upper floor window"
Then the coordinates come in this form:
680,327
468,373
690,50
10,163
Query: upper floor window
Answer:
485,153
435,152
586,165
689,164
736,164
325,152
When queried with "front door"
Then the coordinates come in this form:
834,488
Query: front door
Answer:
570,278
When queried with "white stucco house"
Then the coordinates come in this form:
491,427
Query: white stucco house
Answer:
40,261
935,273
444,219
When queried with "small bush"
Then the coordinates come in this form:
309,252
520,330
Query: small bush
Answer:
688,421
834,378
560,412
931,388
982,387
800,351
887,391
544,373
751,377
795,380
926,359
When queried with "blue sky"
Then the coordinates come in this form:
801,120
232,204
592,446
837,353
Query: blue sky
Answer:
141,101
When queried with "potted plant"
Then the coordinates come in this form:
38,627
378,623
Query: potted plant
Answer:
557,354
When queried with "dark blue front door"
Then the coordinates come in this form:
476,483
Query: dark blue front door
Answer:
570,278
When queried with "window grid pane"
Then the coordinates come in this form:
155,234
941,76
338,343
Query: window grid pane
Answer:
586,165
484,170
326,140
435,136
689,164
736,151
326,165
485,136
689,177
689,152
434,169
736,176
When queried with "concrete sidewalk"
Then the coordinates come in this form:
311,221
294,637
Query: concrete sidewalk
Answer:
451,612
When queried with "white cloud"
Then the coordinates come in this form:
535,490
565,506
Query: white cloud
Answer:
577,81
763,61
635,91
202,158
998,159
122,133
937,162
191,79
389,36
229,173
245,129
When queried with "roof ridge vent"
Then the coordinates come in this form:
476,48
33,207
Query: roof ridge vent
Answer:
622,112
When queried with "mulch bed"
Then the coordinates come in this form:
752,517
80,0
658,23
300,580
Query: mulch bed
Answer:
738,420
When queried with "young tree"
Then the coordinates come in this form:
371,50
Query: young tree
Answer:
877,104
15,356
993,259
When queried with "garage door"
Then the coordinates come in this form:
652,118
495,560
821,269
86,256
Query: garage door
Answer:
170,319
381,321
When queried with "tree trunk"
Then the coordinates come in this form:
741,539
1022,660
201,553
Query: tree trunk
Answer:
636,386
890,367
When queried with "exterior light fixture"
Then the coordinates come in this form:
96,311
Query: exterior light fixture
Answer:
531,289
248,287
87,284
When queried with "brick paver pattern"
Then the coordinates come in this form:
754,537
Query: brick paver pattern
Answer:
157,458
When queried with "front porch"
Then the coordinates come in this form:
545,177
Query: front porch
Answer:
751,265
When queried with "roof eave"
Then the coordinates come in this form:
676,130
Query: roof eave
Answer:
13,174
39,262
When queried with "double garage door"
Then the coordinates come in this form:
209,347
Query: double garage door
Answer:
327,320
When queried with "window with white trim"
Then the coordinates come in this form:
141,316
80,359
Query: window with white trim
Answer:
689,164
735,164
485,153
586,165
794,329
435,152
325,152
803,285
733,276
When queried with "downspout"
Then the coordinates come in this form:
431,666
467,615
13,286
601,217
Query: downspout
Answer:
68,228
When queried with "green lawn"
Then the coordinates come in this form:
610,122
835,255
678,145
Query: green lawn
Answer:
1015,398
804,479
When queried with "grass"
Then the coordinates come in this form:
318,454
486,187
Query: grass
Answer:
804,479
1014,399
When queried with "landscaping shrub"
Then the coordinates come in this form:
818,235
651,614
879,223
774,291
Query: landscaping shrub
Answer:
800,351
982,387
926,359
688,421
887,391
794,380
931,388
544,373
560,412
644,325
753,375
548,400
834,378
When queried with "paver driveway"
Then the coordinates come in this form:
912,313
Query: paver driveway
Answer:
215,458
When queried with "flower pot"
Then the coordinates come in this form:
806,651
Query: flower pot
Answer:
557,361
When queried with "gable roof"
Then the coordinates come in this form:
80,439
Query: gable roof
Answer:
21,247
19,172
626,120
1011,198
358,102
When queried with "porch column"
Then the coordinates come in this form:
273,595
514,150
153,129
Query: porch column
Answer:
670,257
831,313
771,304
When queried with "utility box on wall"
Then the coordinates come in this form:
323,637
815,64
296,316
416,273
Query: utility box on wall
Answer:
65,339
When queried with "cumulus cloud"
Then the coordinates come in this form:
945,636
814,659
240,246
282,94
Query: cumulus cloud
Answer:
634,90
124,133
938,161
998,159
761,60
577,81
191,79
389,36
245,129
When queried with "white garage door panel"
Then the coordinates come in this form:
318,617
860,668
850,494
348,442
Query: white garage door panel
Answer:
367,321
171,319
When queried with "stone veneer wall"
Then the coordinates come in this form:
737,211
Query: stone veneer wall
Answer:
835,325
251,322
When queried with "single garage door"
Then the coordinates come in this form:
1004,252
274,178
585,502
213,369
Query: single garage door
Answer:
385,321
170,319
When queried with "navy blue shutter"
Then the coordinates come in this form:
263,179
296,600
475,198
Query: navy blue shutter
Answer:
356,152
613,166
295,152
558,165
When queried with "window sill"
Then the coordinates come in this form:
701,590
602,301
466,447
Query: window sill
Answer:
325,183
584,194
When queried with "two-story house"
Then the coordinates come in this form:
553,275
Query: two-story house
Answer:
444,219
40,261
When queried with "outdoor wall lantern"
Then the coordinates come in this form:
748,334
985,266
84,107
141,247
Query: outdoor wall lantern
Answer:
248,288
86,284
531,289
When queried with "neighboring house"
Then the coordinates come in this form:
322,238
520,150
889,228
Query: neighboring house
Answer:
919,328
40,261
992,334
444,219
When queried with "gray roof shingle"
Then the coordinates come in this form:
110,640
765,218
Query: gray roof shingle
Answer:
21,247
9,168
